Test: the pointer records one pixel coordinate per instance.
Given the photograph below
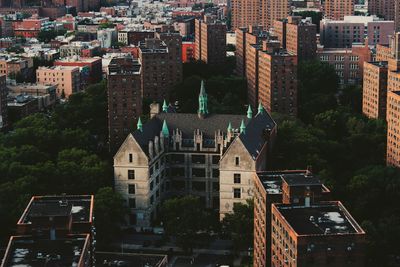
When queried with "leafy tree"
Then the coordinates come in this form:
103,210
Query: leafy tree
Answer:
318,86
239,225
48,35
109,213
183,218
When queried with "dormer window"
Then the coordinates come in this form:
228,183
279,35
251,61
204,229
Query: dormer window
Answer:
237,161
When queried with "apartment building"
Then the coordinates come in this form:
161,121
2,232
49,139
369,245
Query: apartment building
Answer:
124,98
66,78
210,41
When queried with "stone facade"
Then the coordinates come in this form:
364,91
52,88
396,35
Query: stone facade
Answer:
206,155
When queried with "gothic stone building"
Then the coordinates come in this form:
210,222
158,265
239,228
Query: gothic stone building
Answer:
211,156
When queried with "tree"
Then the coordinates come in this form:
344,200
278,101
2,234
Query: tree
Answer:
239,225
109,212
48,35
318,87
183,218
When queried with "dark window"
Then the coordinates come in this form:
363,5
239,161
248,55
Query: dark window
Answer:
131,189
151,200
237,161
198,172
130,158
199,159
199,186
215,159
131,174
151,185
236,178
236,193
132,203
215,186
215,173
132,219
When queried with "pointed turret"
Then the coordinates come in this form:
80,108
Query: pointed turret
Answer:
165,130
249,112
203,102
229,127
260,109
242,127
139,125
165,106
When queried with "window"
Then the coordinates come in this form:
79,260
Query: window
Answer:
236,193
132,203
131,174
151,185
131,189
130,158
132,219
236,178
237,161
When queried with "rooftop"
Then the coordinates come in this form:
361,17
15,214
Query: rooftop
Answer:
25,251
324,218
80,207
129,259
272,181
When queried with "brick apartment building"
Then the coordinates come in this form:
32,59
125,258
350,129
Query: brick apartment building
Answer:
277,79
210,41
161,67
258,12
338,9
132,37
30,27
66,78
318,234
13,66
298,36
393,135
387,9
245,38
188,50
348,62
91,68
355,29
3,103
59,230
124,98
294,225
375,89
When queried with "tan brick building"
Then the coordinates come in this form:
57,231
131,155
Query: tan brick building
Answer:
393,135
375,89
210,41
337,9
258,12
66,78
298,36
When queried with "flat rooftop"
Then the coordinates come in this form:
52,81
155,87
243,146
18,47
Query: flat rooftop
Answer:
382,64
325,218
80,207
27,251
130,259
272,181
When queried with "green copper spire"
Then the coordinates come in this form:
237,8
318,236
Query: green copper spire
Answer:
165,106
165,130
242,127
229,127
139,125
249,112
260,109
203,101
